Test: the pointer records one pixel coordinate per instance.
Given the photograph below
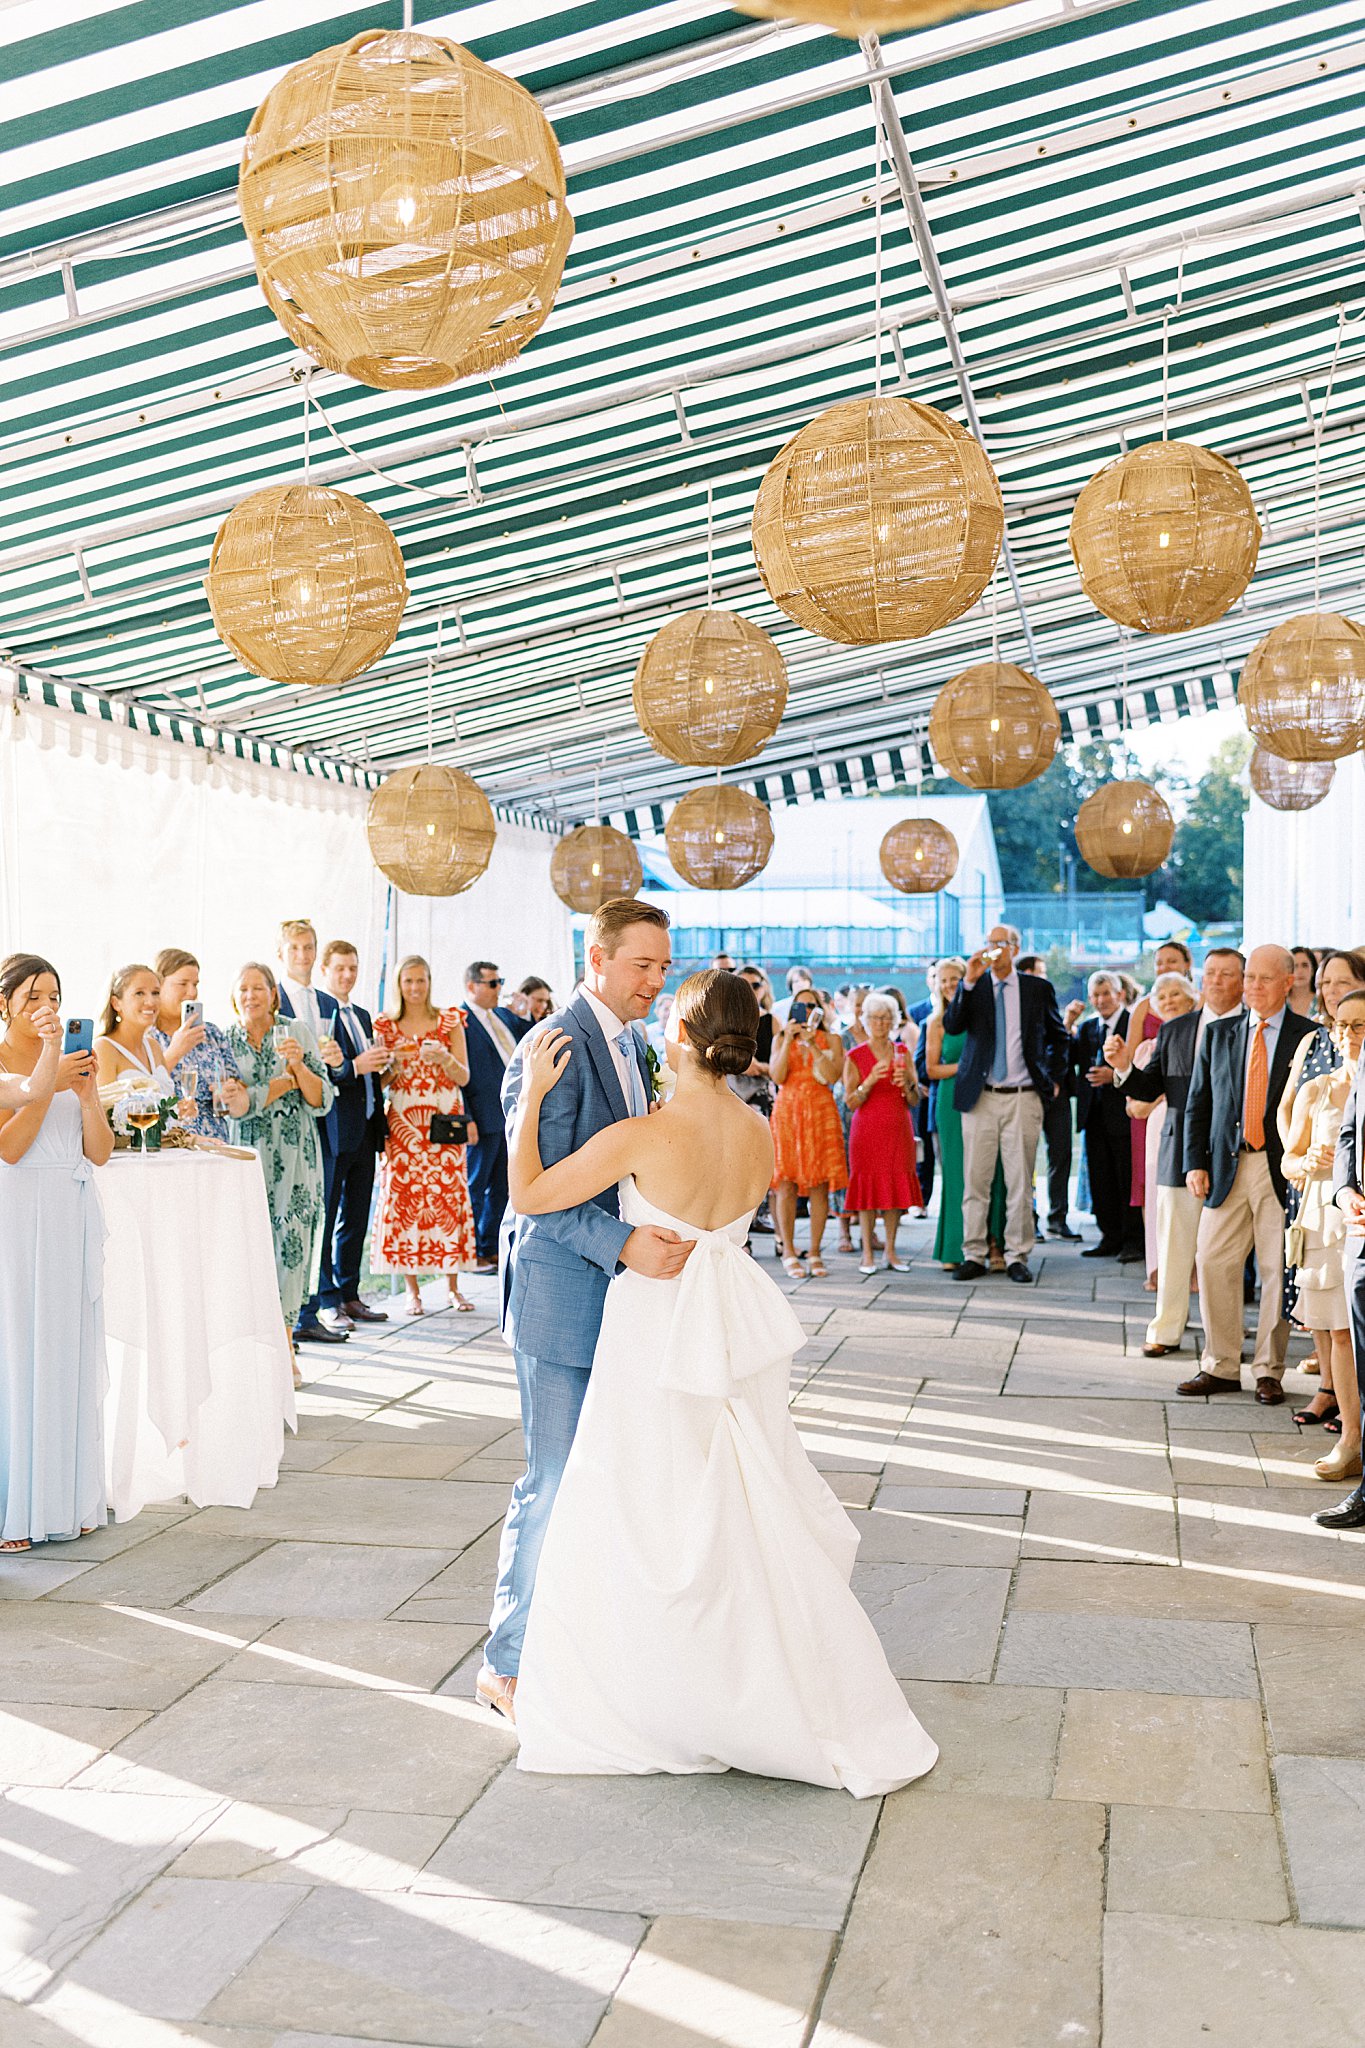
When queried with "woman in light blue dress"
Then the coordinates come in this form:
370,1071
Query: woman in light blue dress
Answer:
53,1134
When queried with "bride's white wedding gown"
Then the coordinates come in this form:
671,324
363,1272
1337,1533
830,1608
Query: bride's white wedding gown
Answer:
692,1608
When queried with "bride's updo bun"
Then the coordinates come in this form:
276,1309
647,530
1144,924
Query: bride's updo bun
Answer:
720,1012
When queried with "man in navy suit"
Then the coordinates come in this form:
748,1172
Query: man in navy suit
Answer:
298,953
491,1039
1232,1165
1349,1196
1102,1114
1013,1061
355,1129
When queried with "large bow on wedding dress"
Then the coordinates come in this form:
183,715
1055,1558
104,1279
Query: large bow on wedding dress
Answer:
729,1322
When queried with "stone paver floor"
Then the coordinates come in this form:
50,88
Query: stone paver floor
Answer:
249,1800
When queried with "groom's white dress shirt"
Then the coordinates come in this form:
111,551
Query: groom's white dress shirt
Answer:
612,1027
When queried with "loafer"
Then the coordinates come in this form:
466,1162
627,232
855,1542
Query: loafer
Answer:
970,1269
1209,1383
1347,1514
1269,1392
361,1312
1100,1251
1018,1271
313,1333
1159,1350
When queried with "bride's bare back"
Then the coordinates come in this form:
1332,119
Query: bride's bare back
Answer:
706,1157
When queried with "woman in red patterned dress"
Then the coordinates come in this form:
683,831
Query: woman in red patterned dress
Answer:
426,1224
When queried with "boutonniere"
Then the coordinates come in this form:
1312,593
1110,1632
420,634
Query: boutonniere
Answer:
653,1063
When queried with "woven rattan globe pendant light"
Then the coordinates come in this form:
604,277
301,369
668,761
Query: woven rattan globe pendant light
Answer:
306,585
592,864
1302,688
405,207
431,830
867,17
919,856
1290,785
994,726
710,689
880,520
1165,538
1124,830
718,837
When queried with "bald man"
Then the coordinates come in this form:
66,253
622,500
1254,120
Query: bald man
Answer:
1232,1165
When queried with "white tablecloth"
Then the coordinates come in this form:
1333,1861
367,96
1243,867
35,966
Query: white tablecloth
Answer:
200,1378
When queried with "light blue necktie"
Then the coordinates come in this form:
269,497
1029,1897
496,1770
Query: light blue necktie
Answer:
357,1047
1000,1065
635,1093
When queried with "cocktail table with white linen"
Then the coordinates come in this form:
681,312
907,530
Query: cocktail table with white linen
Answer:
200,1377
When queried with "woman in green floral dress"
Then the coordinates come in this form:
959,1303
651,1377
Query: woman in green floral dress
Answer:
290,1093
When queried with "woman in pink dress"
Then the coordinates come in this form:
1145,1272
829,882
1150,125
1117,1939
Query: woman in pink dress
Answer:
879,1088
425,1224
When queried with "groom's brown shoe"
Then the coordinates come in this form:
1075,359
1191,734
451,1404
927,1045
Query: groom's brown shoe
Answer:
497,1692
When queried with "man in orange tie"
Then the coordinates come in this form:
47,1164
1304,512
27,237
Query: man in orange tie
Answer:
1232,1164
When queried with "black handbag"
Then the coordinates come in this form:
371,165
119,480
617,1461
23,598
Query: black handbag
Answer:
448,1130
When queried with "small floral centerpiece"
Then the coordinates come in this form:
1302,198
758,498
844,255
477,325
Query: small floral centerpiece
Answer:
142,1112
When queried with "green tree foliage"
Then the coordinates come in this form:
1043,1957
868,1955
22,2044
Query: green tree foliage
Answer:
1204,874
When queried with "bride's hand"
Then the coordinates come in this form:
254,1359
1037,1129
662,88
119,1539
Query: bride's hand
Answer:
545,1059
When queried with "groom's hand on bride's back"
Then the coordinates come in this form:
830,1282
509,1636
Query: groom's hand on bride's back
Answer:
658,1254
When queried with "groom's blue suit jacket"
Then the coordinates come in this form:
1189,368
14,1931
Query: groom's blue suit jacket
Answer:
556,1269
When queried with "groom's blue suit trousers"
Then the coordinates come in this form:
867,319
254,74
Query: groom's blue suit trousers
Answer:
551,1398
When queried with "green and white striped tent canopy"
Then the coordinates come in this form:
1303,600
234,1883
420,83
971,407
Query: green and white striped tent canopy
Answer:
1094,173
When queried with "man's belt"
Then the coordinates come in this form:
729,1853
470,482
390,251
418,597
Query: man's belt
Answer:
1008,1087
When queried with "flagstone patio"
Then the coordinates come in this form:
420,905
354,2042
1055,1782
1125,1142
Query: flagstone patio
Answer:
250,1802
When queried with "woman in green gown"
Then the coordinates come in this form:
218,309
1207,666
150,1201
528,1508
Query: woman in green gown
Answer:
943,1052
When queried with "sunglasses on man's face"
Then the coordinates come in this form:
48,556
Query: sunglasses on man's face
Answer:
491,981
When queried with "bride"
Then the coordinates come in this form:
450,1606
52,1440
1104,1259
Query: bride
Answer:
692,1608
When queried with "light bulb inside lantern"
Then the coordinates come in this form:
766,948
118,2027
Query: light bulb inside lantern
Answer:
1163,540
882,529
596,869
708,683
995,725
720,838
431,831
1315,686
405,206
919,853
1127,827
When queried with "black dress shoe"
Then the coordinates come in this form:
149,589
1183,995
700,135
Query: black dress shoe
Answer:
1100,1251
361,1312
1064,1233
313,1333
1347,1514
1017,1270
970,1269
1131,1254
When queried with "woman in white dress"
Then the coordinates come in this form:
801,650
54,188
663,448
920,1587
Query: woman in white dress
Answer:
692,1609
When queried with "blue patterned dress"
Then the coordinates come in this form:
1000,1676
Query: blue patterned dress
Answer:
195,1074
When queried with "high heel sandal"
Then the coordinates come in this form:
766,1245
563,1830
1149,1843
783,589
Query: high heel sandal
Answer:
1342,1464
1322,1416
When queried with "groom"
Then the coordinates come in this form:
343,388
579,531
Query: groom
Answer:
556,1268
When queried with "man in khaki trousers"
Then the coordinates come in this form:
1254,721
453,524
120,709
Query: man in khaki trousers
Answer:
1232,1165
1015,1056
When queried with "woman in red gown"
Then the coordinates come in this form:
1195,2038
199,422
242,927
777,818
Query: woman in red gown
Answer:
880,1087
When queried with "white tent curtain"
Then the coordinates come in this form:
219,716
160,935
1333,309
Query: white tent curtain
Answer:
1304,871
114,844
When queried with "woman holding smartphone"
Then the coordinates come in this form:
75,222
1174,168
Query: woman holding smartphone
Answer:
197,1053
288,1094
52,1133
426,1223
808,1138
